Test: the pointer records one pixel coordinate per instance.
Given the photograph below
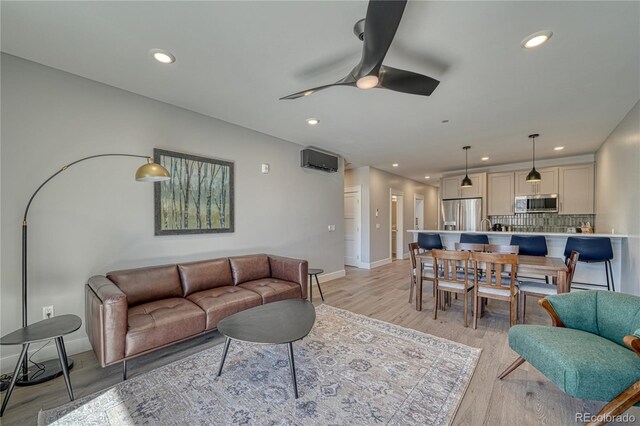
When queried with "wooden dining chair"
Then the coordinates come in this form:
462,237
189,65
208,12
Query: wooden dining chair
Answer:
427,271
449,279
501,248
540,289
495,285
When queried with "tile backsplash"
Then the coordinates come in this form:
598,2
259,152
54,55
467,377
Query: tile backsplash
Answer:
543,222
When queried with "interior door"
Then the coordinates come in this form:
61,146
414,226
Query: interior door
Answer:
352,228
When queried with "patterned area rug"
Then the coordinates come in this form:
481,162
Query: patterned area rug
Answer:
351,370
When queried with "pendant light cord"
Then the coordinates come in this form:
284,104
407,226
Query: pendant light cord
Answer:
534,152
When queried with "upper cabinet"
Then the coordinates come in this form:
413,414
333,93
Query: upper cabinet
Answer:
548,184
500,194
450,187
576,189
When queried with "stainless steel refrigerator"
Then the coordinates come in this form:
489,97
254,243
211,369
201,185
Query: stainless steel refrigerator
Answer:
462,214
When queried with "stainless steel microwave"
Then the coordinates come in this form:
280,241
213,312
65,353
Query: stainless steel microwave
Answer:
537,203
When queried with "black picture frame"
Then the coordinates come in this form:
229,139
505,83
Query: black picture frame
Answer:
210,211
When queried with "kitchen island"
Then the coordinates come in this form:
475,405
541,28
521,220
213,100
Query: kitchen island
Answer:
586,273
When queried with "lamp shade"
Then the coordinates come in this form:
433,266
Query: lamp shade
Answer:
466,182
152,172
534,176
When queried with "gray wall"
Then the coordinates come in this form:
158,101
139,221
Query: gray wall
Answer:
94,217
618,196
376,185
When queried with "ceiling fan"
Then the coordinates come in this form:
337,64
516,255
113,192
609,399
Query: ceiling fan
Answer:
377,31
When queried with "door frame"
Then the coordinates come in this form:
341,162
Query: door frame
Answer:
417,197
399,223
357,189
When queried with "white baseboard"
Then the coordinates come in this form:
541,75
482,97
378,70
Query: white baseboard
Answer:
331,276
377,263
75,346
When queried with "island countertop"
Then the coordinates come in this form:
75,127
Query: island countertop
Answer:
546,234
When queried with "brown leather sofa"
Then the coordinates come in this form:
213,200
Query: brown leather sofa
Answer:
133,312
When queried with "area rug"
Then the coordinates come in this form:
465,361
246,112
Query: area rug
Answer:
351,370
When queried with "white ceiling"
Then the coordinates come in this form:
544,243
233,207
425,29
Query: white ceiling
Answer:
235,59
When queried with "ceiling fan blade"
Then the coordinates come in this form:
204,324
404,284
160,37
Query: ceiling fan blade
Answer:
347,81
380,25
406,81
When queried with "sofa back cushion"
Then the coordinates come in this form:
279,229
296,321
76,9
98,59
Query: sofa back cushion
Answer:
204,275
249,268
148,284
618,315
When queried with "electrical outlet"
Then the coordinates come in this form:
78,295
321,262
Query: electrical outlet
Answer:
47,312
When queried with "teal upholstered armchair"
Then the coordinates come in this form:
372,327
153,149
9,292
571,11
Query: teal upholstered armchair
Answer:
592,351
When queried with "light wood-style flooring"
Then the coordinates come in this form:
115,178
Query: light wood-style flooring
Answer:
525,397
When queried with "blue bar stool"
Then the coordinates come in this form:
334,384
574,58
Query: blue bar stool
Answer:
531,245
474,238
593,250
429,241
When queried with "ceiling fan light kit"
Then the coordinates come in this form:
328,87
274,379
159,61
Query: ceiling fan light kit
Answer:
377,31
534,175
466,182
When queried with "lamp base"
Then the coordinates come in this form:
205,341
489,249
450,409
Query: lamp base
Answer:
49,371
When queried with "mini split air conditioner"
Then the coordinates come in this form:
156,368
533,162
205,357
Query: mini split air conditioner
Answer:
313,159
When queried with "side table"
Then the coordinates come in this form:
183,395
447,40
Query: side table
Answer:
313,272
52,328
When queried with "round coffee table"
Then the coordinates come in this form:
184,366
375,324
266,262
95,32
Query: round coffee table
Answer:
313,272
52,328
274,323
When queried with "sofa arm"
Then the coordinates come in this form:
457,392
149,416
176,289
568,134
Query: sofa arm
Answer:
287,269
106,310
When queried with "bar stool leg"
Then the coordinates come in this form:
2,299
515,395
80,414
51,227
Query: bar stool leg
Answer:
311,288
62,355
613,285
606,273
14,378
319,288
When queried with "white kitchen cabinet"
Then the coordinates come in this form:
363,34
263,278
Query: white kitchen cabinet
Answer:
576,189
450,187
548,184
500,194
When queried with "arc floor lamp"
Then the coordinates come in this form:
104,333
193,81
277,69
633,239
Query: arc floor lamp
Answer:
47,370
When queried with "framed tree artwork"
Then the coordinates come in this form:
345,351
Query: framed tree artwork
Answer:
198,198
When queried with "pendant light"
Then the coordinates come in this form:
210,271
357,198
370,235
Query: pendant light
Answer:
466,182
534,175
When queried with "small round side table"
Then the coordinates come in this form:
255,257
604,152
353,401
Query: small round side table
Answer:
313,272
52,328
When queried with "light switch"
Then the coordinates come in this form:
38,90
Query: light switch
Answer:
377,211
332,228
265,168
377,226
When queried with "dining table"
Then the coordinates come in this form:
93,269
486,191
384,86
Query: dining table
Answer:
536,265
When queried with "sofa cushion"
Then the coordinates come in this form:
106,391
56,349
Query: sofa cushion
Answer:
249,268
220,302
204,275
148,284
154,324
272,289
581,364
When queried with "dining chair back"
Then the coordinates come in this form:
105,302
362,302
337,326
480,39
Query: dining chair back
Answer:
500,248
499,280
449,279
427,272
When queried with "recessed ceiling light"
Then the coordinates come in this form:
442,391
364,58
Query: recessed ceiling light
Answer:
558,148
395,164
484,158
536,39
312,121
427,177
162,56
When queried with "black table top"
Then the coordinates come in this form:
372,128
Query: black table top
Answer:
275,323
43,330
315,271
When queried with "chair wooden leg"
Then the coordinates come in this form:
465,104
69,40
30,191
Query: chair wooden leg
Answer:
475,309
413,284
466,303
435,304
619,405
522,303
512,310
517,363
